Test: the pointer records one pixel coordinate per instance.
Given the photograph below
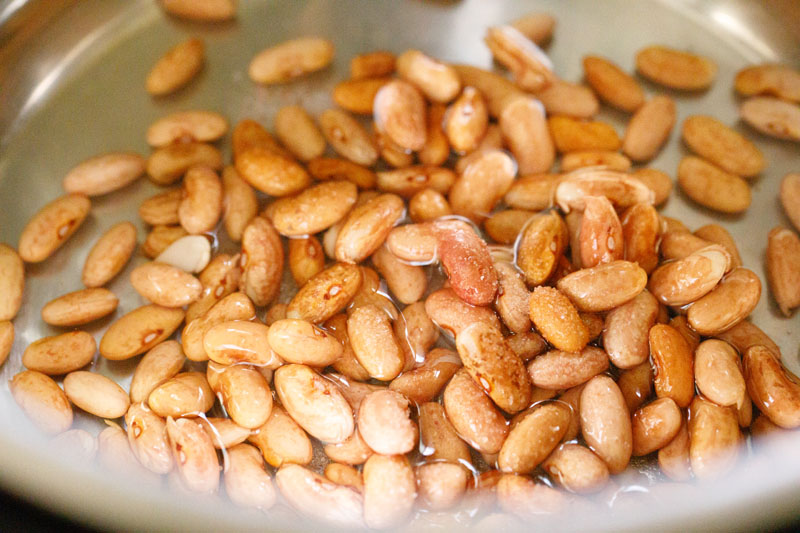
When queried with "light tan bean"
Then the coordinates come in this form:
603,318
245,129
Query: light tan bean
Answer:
557,369
246,395
194,455
176,68
772,116
673,362
407,282
12,282
168,164
531,68
109,255
512,303
482,184
712,187
262,261
783,250
452,314
649,129
281,440
689,279
299,341
326,294
604,287
524,129
425,382
625,336
185,394
201,206
612,84
165,285
534,436
570,99
577,469
235,306
466,120
42,400
438,81
314,402
315,496
103,174
714,439
655,425
374,343
718,373
367,226
298,133
157,366
114,454
358,95
60,354
746,334
147,436
271,173
51,226
138,331
384,422
389,490
727,304
774,389
290,59
315,209
348,137
399,113
240,341
200,126
440,485
162,208
557,319
96,394
247,483
528,499
473,414
206,11
675,69
721,145
79,307
605,422
427,205
673,459
533,192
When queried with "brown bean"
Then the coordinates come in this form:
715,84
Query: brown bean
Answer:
51,226
389,490
714,439
299,341
614,86
577,469
604,287
557,369
673,361
605,422
675,69
533,438
655,425
384,422
139,330
314,402
157,366
453,315
674,457
774,390
185,394
12,282
262,261
374,343
625,336
281,440
466,120
649,129
290,59
721,145
42,400
246,395
494,366
60,354
96,394
727,304
689,279
473,414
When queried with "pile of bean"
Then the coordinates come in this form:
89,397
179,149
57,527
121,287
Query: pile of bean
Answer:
466,320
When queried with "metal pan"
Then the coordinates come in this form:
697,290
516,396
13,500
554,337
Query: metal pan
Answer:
71,86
